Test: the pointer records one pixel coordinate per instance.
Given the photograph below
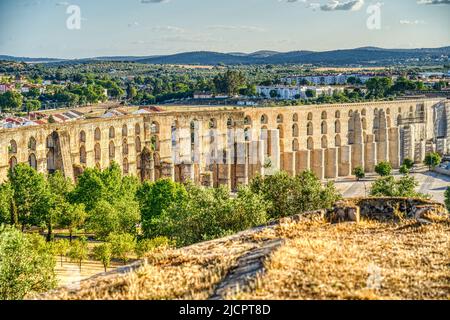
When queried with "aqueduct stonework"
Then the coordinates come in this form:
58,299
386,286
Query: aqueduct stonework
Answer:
230,147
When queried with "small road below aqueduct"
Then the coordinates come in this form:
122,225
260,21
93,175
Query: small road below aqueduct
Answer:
431,183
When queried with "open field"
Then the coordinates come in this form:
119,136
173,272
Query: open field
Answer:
296,259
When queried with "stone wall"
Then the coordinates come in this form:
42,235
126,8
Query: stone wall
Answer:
229,147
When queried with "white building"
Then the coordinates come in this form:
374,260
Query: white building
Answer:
294,92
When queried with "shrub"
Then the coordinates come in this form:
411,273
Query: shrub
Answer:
146,246
390,187
404,169
122,246
408,163
384,168
359,173
432,160
24,269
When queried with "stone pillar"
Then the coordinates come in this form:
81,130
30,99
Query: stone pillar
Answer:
331,163
273,137
289,163
344,163
167,171
302,161
357,155
382,139
255,158
370,154
394,147
147,165
240,165
318,163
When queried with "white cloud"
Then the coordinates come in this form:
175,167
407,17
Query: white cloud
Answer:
334,5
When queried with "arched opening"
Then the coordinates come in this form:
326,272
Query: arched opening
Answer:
124,130
324,115
32,161
97,135
399,120
230,123
137,129
350,113
264,119
337,126
12,162
137,144
12,148
112,133
337,114
83,155
337,140
247,134
363,112
324,127
324,141
54,154
213,123
247,121
154,127
82,136
310,116
295,117
364,123
155,143
295,145
280,118
125,147
97,152
112,150
309,129
310,143
32,144
126,168
295,131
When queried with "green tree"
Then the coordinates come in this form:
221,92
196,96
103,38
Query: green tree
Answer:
32,105
383,168
388,186
432,160
11,101
359,173
122,245
24,269
310,93
156,197
409,163
146,246
103,253
72,217
31,196
404,169
61,247
292,195
229,82
7,215
78,251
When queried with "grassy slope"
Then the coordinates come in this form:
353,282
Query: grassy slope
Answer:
370,260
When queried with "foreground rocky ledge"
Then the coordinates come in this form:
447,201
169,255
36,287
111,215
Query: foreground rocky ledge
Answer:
386,248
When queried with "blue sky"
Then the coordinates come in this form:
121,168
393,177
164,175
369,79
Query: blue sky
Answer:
37,28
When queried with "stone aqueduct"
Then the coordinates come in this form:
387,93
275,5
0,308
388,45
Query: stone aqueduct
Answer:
229,147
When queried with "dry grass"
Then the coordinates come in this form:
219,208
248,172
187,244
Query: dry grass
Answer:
370,260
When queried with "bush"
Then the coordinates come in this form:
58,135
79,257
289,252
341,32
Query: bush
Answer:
78,251
359,173
122,246
292,195
24,268
384,169
103,253
404,169
209,213
390,187
432,160
146,246
408,163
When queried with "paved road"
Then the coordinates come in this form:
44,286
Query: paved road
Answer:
431,183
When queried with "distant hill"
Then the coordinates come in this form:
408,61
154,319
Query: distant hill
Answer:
357,56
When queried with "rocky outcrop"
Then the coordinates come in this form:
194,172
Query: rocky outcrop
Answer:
386,209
